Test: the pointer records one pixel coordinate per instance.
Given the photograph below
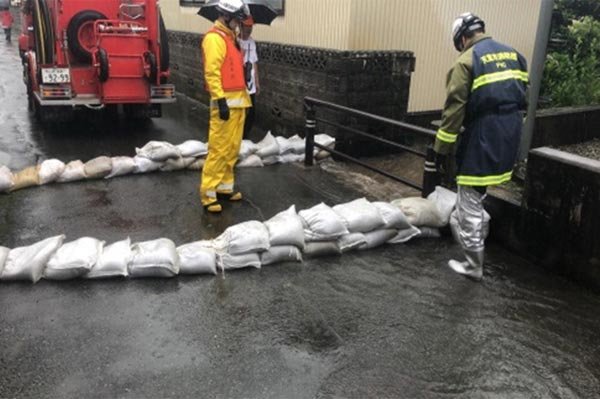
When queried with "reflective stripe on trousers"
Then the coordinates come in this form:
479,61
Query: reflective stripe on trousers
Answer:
468,219
224,141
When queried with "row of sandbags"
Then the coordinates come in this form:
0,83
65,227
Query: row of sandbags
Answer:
288,236
158,156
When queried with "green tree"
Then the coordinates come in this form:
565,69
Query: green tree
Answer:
572,71
576,9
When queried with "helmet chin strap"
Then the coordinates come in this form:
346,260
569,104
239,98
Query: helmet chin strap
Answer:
227,18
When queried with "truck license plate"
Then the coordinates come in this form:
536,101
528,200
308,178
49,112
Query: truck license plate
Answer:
56,75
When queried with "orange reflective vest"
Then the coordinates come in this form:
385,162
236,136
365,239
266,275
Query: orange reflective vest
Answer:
232,70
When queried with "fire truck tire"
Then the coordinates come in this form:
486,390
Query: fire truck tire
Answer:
30,97
103,65
82,19
165,56
151,60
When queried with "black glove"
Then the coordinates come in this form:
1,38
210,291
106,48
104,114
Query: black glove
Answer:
223,109
440,163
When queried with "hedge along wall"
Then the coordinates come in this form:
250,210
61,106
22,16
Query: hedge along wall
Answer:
376,82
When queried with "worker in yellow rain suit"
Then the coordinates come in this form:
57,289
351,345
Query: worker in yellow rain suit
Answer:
225,81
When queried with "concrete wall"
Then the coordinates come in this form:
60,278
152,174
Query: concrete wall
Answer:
562,208
420,26
568,125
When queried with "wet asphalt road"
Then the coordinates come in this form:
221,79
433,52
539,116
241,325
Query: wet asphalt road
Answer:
388,323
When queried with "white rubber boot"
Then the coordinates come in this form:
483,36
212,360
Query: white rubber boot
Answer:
472,267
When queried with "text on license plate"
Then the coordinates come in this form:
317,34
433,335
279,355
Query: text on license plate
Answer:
55,75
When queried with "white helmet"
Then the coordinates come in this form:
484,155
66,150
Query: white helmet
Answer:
234,8
466,22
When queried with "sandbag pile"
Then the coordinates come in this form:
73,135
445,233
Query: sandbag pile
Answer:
289,236
272,150
159,156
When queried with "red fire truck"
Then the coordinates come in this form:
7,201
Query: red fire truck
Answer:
94,54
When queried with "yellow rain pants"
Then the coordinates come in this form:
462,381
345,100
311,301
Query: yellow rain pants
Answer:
224,141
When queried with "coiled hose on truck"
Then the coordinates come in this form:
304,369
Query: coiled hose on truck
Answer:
43,33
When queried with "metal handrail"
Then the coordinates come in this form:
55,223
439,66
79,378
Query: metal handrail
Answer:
372,136
392,122
430,175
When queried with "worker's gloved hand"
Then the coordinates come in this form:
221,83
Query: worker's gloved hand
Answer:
440,163
223,109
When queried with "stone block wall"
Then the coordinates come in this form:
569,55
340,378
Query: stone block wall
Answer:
376,82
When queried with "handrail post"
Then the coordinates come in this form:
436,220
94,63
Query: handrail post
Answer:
431,178
309,129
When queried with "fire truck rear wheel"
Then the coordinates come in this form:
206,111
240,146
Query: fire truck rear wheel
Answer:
80,34
153,73
165,56
103,65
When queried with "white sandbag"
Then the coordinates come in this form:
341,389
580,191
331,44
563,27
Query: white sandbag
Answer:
74,171
429,232
282,142
267,147
113,261
192,148
121,166
227,261
291,158
296,144
50,170
393,217
246,149
28,263
322,224
286,228
405,235
145,165
321,155
321,248
359,216
251,161
198,164
377,238
271,160
3,256
157,258
158,151
293,145
242,238
325,140
6,179
27,177
98,168
350,242
172,165
197,258
444,200
281,254
420,212
73,259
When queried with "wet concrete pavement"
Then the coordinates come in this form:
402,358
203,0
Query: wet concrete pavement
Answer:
387,323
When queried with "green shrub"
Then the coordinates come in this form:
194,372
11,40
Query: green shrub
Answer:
572,75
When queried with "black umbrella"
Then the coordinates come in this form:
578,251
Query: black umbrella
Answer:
262,12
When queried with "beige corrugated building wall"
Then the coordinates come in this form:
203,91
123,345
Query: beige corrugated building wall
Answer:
420,26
